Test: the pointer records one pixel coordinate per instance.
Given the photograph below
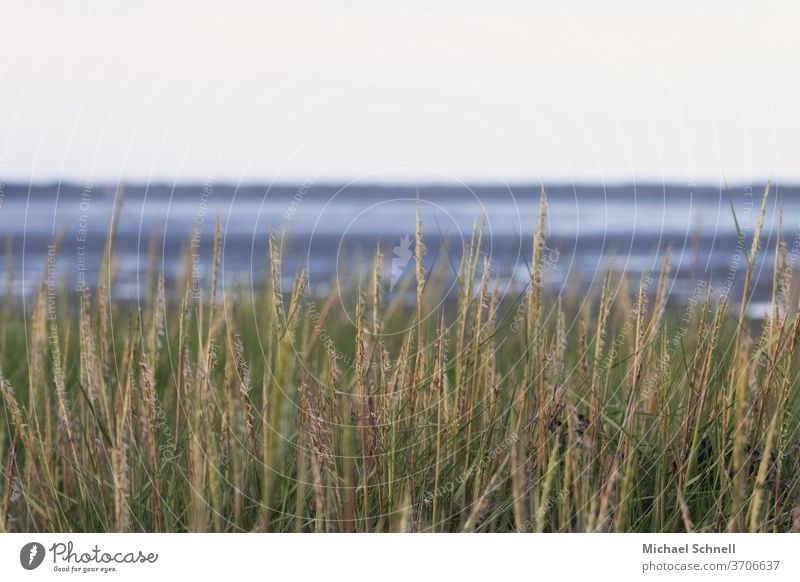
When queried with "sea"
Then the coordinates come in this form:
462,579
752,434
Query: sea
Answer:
335,231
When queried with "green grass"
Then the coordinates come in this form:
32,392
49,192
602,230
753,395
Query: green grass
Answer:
265,411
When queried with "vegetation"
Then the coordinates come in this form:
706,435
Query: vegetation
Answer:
259,410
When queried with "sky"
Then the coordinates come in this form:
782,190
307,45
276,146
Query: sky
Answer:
414,91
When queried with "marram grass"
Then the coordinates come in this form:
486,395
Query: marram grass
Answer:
232,410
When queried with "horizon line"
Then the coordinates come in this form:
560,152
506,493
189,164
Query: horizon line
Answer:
398,184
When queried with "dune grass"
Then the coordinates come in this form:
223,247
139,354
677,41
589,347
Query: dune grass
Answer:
210,409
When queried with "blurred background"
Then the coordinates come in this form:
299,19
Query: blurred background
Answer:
649,125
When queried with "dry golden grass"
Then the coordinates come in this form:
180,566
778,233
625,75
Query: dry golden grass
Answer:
272,411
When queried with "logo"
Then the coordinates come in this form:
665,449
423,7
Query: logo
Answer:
31,555
400,258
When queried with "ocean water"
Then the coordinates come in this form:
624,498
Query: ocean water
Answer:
334,231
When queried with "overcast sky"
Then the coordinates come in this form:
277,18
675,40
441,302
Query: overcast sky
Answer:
386,91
